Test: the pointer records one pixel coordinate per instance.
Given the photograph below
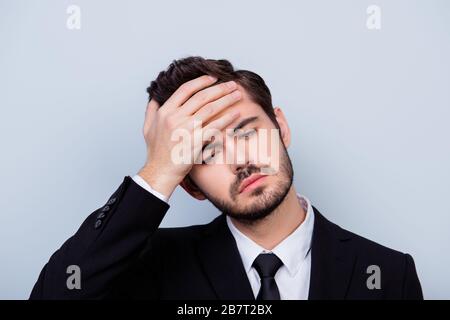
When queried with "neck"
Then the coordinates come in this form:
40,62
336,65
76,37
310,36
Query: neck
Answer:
278,225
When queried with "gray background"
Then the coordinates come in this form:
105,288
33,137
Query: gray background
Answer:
368,110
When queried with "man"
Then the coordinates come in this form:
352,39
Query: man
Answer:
269,242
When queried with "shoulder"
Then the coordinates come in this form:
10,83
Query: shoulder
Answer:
365,257
365,249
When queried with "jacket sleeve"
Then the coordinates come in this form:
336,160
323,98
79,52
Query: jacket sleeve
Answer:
108,242
412,289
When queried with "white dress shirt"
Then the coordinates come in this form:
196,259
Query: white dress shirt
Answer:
294,251
140,181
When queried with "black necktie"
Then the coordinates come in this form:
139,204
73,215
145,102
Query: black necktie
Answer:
267,265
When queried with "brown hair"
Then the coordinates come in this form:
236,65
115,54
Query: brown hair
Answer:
183,70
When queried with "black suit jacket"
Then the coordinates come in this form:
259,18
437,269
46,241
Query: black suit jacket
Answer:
122,253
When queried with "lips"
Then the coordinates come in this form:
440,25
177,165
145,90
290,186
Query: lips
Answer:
250,180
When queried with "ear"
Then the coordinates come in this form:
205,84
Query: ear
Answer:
285,132
190,187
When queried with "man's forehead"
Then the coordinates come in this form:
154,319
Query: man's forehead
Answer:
245,105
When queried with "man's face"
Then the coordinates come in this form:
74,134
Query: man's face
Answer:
248,153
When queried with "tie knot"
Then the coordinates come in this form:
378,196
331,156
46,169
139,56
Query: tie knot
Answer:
267,265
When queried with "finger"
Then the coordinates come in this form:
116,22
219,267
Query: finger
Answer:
219,124
206,96
152,107
211,129
213,108
187,89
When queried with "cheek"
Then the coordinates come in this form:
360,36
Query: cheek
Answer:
270,151
212,178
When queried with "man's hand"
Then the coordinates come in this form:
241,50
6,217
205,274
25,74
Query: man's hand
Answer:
190,102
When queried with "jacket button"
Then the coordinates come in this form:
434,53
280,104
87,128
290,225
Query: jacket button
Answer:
101,215
98,223
111,201
105,208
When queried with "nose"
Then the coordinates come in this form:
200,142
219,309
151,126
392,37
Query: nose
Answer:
236,168
255,152
242,156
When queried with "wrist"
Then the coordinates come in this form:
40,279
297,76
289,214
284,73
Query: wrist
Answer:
160,182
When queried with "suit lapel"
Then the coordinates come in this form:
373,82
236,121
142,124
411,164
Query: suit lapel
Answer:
332,260
222,263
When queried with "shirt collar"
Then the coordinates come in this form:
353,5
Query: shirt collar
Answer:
292,251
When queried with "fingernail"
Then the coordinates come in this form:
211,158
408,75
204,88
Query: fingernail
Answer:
231,84
236,94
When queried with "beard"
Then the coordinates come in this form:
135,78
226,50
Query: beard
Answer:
262,202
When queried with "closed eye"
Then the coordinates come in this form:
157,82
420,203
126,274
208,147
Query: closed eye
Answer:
213,151
247,134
